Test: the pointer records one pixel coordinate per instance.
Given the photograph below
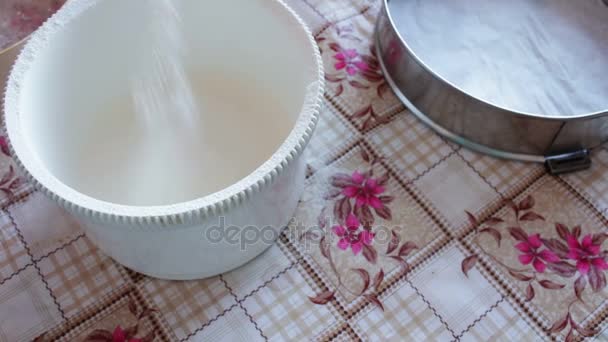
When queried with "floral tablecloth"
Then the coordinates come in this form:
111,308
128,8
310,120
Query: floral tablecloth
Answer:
19,18
424,240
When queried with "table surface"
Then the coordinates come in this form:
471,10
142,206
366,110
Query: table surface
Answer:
441,243
19,18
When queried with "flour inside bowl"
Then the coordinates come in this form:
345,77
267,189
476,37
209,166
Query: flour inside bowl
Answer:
535,56
236,136
161,90
148,110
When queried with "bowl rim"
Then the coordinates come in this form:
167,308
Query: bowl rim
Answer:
180,213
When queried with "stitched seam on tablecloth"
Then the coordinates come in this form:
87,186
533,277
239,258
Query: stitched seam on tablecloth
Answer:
492,269
208,323
483,315
440,161
229,288
35,263
239,301
431,307
20,200
480,175
31,263
76,238
522,184
425,207
267,282
254,322
21,269
401,279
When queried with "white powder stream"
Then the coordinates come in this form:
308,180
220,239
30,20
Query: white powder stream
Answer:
537,56
161,90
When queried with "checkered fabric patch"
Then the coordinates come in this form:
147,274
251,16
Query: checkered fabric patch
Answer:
593,183
453,188
80,274
505,176
410,145
13,255
332,133
468,296
284,312
188,306
406,316
26,307
234,326
502,324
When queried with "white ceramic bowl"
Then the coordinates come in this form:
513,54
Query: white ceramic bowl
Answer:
74,144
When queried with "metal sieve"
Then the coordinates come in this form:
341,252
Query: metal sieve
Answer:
562,142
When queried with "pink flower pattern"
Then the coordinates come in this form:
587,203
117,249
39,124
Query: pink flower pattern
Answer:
531,254
355,67
4,146
365,190
563,256
120,336
350,60
586,254
356,204
350,236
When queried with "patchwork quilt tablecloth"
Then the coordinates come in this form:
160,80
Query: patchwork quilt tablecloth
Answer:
400,235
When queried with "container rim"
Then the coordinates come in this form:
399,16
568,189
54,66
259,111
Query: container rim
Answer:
170,215
506,110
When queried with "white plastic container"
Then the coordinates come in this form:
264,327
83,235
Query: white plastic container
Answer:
59,104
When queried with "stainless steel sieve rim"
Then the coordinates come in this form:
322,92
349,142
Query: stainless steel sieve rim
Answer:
562,142
430,70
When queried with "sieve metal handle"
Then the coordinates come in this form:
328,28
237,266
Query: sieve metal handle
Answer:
568,162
